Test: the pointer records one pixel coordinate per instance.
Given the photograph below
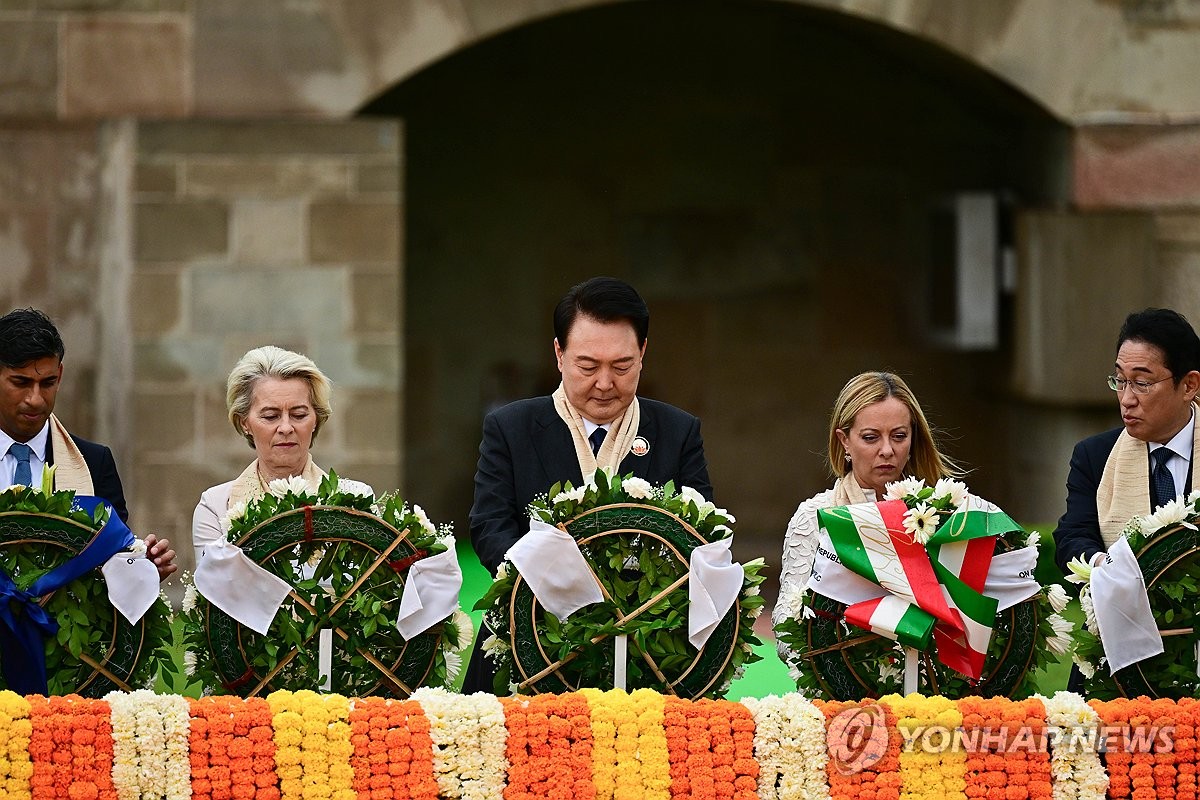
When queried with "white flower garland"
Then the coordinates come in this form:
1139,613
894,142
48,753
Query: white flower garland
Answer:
469,743
789,745
1075,768
150,745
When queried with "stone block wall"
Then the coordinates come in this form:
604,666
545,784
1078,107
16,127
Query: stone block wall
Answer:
50,230
247,234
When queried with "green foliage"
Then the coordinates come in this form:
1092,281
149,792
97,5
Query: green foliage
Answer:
636,570
879,662
322,572
85,617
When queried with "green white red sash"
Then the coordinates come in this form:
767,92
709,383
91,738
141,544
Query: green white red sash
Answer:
933,594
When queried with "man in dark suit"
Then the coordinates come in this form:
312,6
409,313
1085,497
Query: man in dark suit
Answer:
32,438
1148,461
594,419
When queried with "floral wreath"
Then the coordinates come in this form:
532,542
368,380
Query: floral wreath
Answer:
335,569
1166,544
828,657
636,539
96,650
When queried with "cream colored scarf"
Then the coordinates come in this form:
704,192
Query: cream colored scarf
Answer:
847,492
1124,490
249,486
617,442
70,470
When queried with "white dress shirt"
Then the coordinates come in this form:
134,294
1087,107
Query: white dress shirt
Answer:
8,464
1181,455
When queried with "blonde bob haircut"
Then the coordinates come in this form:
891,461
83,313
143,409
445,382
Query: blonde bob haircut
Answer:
925,461
274,362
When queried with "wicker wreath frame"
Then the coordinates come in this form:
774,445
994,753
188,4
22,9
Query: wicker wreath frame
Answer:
1155,558
400,670
536,668
125,644
830,648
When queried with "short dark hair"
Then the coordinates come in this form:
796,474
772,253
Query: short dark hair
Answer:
605,300
27,335
1170,332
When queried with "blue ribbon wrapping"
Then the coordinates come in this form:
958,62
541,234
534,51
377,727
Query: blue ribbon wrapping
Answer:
25,625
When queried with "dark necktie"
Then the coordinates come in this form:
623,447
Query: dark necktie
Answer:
1164,483
23,474
597,439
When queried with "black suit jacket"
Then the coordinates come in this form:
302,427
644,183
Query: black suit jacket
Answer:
105,480
1078,531
527,448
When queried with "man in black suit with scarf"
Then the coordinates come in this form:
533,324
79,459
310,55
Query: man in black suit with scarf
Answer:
32,437
1148,461
594,419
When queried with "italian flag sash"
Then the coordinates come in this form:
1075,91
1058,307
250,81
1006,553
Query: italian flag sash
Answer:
934,591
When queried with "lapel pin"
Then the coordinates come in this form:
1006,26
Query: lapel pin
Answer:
640,446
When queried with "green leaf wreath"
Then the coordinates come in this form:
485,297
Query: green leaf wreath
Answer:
1167,546
39,531
320,572
633,568
849,662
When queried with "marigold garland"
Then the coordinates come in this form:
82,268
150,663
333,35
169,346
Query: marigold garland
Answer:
629,745
1184,742
1139,740
549,747
876,775
712,749
469,736
594,744
15,731
312,745
233,749
930,766
1006,748
789,747
71,748
393,751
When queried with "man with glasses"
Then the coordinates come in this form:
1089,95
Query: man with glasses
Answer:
1148,461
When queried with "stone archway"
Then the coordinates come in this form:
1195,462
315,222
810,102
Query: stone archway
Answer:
772,180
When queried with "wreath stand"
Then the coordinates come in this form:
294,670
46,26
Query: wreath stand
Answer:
399,665
643,527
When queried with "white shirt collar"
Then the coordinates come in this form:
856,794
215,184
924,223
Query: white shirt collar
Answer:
1181,443
589,426
37,443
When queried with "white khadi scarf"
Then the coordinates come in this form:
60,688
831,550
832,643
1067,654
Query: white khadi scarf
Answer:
131,582
249,486
70,470
617,442
1124,490
847,492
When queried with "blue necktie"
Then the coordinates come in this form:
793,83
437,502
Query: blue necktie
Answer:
22,452
1164,483
597,439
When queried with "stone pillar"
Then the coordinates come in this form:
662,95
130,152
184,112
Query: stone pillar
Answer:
245,234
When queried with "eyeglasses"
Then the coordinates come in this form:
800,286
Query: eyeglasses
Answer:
1139,387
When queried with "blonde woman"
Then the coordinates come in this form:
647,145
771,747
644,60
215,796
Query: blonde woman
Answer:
877,434
277,400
